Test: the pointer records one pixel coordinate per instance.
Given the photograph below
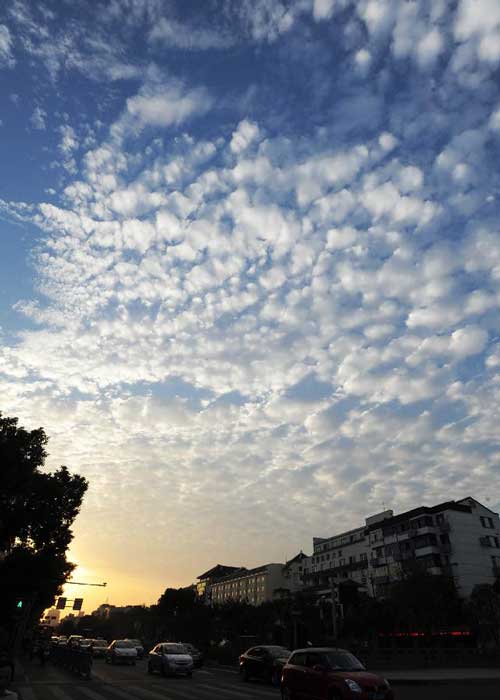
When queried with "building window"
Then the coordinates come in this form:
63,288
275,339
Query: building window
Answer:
352,559
487,522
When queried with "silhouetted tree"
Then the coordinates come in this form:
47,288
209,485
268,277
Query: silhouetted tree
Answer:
37,510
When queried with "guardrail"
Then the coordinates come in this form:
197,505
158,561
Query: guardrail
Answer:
75,660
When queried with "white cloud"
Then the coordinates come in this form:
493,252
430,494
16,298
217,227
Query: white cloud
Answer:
168,105
470,340
38,119
68,139
6,57
172,33
244,135
429,48
323,9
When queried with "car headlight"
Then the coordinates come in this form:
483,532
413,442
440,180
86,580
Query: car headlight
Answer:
353,686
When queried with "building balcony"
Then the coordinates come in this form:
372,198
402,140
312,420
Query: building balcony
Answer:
496,570
444,526
426,549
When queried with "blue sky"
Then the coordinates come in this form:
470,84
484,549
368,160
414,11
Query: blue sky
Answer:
250,266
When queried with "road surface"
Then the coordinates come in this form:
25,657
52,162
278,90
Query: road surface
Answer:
212,683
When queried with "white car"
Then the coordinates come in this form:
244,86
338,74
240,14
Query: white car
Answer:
170,658
121,651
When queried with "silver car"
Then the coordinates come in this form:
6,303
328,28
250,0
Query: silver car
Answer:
170,658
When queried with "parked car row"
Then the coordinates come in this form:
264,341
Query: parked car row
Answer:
315,673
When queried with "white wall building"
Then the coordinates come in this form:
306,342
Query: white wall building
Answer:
456,538
256,586
51,617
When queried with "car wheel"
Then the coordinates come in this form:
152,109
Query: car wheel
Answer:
189,674
275,677
163,670
150,668
245,674
113,660
286,694
334,695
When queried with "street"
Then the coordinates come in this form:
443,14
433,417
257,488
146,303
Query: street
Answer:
211,683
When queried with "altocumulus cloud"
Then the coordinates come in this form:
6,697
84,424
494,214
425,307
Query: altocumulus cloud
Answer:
290,323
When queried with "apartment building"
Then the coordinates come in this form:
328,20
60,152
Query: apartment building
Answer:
456,538
205,580
255,586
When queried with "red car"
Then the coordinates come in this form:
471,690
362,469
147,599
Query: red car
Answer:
323,673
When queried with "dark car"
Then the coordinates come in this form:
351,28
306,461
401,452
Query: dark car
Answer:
264,662
325,673
98,648
195,653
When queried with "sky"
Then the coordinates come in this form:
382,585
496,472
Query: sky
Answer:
249,268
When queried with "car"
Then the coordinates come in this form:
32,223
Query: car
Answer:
121,651
170,658
98,648
195,654
85,644
62,641
327,673
74,640
265,662
138,645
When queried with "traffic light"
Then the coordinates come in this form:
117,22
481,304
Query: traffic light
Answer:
61,603
19,604
77,603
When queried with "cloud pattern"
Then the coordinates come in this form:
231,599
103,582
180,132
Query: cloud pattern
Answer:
243,318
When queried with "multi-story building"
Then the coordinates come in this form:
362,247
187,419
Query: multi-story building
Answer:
456,538
294,571
258,585
51,617
205,580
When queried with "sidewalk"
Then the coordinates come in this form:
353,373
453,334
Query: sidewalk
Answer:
440,676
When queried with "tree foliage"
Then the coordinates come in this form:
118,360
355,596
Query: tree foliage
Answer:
37,510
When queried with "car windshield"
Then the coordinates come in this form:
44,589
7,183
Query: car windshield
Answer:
124,645
279,652
343,661
174,649
100,643
135,642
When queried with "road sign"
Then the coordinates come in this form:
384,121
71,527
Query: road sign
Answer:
77,603
61,603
